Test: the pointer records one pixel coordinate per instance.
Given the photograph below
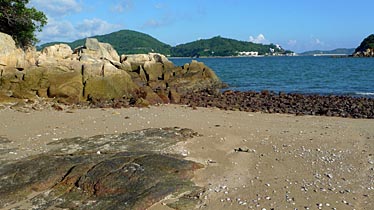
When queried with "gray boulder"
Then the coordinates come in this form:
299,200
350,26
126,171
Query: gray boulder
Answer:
98,50
10,55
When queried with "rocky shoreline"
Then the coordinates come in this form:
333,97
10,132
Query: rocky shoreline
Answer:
270,102
251,101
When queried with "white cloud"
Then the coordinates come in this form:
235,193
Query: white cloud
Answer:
57,7
292,42
152,24
123,5
167,19
65,31
260,39
57,31
318,42
91,27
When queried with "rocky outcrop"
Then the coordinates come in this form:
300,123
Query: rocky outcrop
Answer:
94,49
96,72
11,56
367,53
121,171
366,48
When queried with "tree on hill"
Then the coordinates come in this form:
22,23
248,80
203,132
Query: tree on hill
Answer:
368,43
21,22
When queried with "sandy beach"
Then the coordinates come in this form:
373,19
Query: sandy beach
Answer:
252,160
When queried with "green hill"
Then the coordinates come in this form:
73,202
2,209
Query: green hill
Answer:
367,43
218,46
346,51
125,42
132,42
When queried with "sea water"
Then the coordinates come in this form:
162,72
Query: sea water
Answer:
299,74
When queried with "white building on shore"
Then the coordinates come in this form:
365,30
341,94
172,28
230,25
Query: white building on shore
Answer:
251,53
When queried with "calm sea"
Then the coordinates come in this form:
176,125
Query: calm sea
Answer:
307,75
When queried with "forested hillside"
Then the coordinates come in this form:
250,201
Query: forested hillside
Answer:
132,42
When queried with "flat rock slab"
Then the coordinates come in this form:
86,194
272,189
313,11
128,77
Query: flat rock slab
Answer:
124,171
4,149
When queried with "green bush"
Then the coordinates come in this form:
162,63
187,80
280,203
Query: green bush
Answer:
21,22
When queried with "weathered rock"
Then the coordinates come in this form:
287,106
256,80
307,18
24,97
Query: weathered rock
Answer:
92,69
153,70
98,50
159,58
197,77
10,55
123,171
67,86
110,69
126,66
31,56
164,95
157,85
58,51
44,61
142,58
151,96
45,82
136,58
174,96
88,59
119,85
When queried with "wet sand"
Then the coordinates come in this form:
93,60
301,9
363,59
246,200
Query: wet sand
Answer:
252,160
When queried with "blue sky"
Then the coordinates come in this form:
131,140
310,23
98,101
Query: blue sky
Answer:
298,25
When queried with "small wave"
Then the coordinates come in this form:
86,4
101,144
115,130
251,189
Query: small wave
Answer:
364,93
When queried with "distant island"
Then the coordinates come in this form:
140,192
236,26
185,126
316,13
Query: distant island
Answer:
366,49
339,51
219,46
133,42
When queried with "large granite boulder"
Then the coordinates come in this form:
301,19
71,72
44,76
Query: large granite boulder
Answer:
10,55
111,86
66,86
59,54
95,49
194,77
61,83
58,51
121,171
159,73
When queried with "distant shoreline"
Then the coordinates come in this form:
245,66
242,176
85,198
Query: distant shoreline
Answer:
233,56
268,56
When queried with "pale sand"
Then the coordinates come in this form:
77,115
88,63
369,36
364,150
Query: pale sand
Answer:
293,162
